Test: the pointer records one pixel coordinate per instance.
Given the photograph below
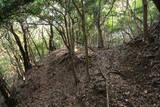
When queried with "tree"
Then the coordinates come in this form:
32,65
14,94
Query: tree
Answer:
97,21
6,92
83,25
145,19
147,36
24,51
9,7
51,41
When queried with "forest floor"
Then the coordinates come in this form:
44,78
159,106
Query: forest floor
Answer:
130,73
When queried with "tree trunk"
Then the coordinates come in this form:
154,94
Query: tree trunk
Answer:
6,93
32,40
81,13
71,52
3,88
98,25
26,62
72,47
147,36
44,40
26,46
100,38
85,39
51,42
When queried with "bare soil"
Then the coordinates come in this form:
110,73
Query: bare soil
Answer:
129,75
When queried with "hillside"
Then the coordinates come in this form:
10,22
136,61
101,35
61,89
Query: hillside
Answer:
133,80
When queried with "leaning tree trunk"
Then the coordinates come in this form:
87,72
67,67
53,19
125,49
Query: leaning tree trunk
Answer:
10,102
44,41
26,46
32,40
26,63
3,88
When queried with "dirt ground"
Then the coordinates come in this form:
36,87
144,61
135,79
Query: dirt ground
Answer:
124,76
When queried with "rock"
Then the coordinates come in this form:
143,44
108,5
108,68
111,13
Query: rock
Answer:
145,91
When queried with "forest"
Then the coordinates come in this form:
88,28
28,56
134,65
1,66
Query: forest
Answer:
79,53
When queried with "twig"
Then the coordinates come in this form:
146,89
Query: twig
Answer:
107,83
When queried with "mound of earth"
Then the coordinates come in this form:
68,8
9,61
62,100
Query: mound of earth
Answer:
52,84
124,76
